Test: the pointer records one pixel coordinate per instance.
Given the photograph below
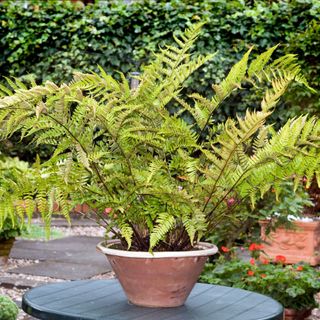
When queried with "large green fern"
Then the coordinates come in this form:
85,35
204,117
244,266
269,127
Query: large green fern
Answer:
166,179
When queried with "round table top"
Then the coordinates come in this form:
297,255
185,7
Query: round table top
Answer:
105,299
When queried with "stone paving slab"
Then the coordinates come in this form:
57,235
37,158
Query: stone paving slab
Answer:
9,282
63,270
64,249
69,258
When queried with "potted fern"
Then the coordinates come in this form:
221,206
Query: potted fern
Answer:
158,182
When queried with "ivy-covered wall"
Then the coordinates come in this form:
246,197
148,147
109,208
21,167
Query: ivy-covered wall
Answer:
51,39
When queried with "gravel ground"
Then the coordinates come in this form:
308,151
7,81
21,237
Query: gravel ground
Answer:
17,293
89,231
83,231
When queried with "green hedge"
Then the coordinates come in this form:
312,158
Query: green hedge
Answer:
52,39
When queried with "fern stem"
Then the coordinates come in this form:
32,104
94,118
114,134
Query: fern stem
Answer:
209,215
224,213
141,245
219,176
122,152
107,225
84,150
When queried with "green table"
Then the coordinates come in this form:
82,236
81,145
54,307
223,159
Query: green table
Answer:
104,299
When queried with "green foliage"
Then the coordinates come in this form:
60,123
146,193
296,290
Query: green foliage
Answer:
167,180
9,230
286,205
280,205
52,39
24,190
11,224
8,309
294,286
35,232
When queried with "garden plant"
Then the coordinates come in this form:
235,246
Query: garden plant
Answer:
12,169
8,309
294,286
159,179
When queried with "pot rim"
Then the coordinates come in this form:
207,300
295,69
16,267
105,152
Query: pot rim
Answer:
206,249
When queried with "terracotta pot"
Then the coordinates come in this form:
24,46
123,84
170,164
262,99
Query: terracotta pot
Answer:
299,244
291,314
161,279
5,248
78,208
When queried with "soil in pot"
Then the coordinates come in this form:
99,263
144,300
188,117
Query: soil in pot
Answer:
161,279
5,248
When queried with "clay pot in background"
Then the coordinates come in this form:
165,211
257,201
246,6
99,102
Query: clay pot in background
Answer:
5,248
300,244
291,314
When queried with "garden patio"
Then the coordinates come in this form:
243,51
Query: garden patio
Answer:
160,160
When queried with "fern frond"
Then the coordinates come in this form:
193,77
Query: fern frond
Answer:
164,223
259,63
126,232
233,79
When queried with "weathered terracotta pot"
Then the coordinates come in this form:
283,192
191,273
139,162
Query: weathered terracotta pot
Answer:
161,279
291,314
79,208
5,248
300,244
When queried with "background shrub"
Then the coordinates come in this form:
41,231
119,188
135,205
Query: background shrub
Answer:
52,39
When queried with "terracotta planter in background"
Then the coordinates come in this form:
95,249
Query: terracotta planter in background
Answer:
79,208
291,314
161,279
5,248
300,244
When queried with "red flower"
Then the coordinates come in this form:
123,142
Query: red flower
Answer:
107,211
250,273
255,246
252,261
281,259
225,249
299,268
265,261
263,275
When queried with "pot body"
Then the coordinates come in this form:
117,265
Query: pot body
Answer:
150,280
291,314
299,244
5,248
